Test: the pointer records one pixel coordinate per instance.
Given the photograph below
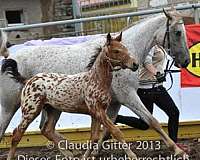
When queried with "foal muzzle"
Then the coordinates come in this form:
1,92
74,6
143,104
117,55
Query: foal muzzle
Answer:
135,67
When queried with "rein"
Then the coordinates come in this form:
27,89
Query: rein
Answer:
169,66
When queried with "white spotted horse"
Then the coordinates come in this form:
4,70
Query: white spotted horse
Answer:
72,59
85,92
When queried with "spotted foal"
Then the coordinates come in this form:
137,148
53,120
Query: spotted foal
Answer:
86,92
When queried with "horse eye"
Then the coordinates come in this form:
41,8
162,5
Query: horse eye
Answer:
178,33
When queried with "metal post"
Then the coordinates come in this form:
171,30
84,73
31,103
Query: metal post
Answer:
134,3
76,15
2,23
128,20
196,15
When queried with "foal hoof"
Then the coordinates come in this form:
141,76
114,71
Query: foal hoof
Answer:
76,153
67,153
11,158
95,153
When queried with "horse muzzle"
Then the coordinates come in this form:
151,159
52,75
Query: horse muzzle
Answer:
183,65
186,63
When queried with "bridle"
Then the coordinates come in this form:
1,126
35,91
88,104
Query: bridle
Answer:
168,49
111,60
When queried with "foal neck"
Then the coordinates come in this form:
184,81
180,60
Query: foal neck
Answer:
102,69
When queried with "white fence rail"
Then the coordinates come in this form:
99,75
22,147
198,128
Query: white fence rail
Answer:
82,20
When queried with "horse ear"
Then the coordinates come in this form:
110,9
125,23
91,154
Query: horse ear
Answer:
173,8
119,38
167,14
109,38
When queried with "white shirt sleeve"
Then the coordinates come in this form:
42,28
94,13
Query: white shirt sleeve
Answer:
148,58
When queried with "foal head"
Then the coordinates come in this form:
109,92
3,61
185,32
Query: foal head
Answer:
117,54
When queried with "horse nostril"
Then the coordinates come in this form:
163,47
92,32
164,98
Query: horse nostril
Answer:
187,62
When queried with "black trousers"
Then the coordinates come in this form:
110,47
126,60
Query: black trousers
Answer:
163,100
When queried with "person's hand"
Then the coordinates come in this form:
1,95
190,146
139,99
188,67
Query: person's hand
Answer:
161,77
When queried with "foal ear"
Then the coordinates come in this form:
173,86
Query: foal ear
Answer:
109,38
167,14
119,38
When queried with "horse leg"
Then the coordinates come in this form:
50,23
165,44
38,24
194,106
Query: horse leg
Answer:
48,130
27,118
95,134
112,113
9,102
115,131
6,114
135,104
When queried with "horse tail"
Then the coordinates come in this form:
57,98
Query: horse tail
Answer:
3,42
10,66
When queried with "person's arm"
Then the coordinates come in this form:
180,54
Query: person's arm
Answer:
151,69
148,64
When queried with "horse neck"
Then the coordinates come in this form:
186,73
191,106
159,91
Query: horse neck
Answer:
102,71
140,38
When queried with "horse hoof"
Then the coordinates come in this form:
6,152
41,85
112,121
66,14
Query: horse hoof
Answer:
183,155
133,156
179,152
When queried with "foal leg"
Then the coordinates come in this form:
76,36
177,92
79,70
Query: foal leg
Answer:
95,134
27,117
48,130
117,134
112,113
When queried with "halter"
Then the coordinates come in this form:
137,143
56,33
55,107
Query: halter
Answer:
111,60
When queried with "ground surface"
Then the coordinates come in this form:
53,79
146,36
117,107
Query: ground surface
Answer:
144,150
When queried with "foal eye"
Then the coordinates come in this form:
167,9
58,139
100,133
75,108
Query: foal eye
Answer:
178,33
116,51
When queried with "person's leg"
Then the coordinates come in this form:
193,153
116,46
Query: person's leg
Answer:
164,101
138,123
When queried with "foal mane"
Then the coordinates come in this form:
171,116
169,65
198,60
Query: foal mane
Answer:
94,57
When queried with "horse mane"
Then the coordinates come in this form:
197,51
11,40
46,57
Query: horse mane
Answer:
140,21
94,57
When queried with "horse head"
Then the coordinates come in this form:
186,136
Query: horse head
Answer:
174,38
118,54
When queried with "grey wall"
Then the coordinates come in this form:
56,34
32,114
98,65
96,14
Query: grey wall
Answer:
31,14
31,9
